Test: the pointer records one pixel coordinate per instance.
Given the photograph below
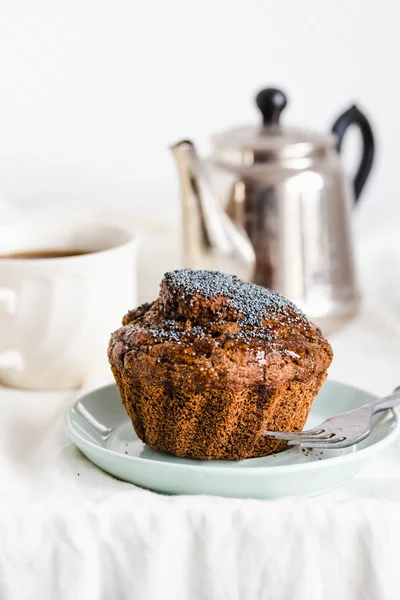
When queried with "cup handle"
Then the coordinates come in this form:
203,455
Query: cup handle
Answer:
9,358
7,300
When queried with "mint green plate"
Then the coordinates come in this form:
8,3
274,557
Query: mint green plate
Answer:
99,426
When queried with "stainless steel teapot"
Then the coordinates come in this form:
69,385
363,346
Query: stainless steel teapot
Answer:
273,206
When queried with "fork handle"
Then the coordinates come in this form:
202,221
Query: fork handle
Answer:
387,402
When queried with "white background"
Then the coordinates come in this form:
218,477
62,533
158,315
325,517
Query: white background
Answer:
93,91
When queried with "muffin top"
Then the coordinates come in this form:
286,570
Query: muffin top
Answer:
210,295
213,319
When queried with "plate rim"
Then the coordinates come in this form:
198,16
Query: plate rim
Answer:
307,466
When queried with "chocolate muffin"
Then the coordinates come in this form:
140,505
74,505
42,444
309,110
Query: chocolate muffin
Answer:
213,362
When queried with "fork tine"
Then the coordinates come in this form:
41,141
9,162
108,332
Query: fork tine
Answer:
327,443
326,438
282,435
316,433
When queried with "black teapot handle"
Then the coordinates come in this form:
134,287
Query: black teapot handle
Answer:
354,116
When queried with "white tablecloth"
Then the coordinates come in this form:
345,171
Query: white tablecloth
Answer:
69,531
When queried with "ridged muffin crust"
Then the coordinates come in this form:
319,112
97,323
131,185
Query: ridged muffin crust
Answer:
213,362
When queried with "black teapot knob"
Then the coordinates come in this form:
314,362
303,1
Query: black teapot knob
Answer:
271,103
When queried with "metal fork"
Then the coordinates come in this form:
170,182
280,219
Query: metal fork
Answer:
341,431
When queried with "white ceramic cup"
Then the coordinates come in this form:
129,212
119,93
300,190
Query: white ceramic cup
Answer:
57,314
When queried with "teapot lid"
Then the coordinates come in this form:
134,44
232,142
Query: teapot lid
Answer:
271,140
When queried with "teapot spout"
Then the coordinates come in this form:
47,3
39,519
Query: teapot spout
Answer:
210,239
